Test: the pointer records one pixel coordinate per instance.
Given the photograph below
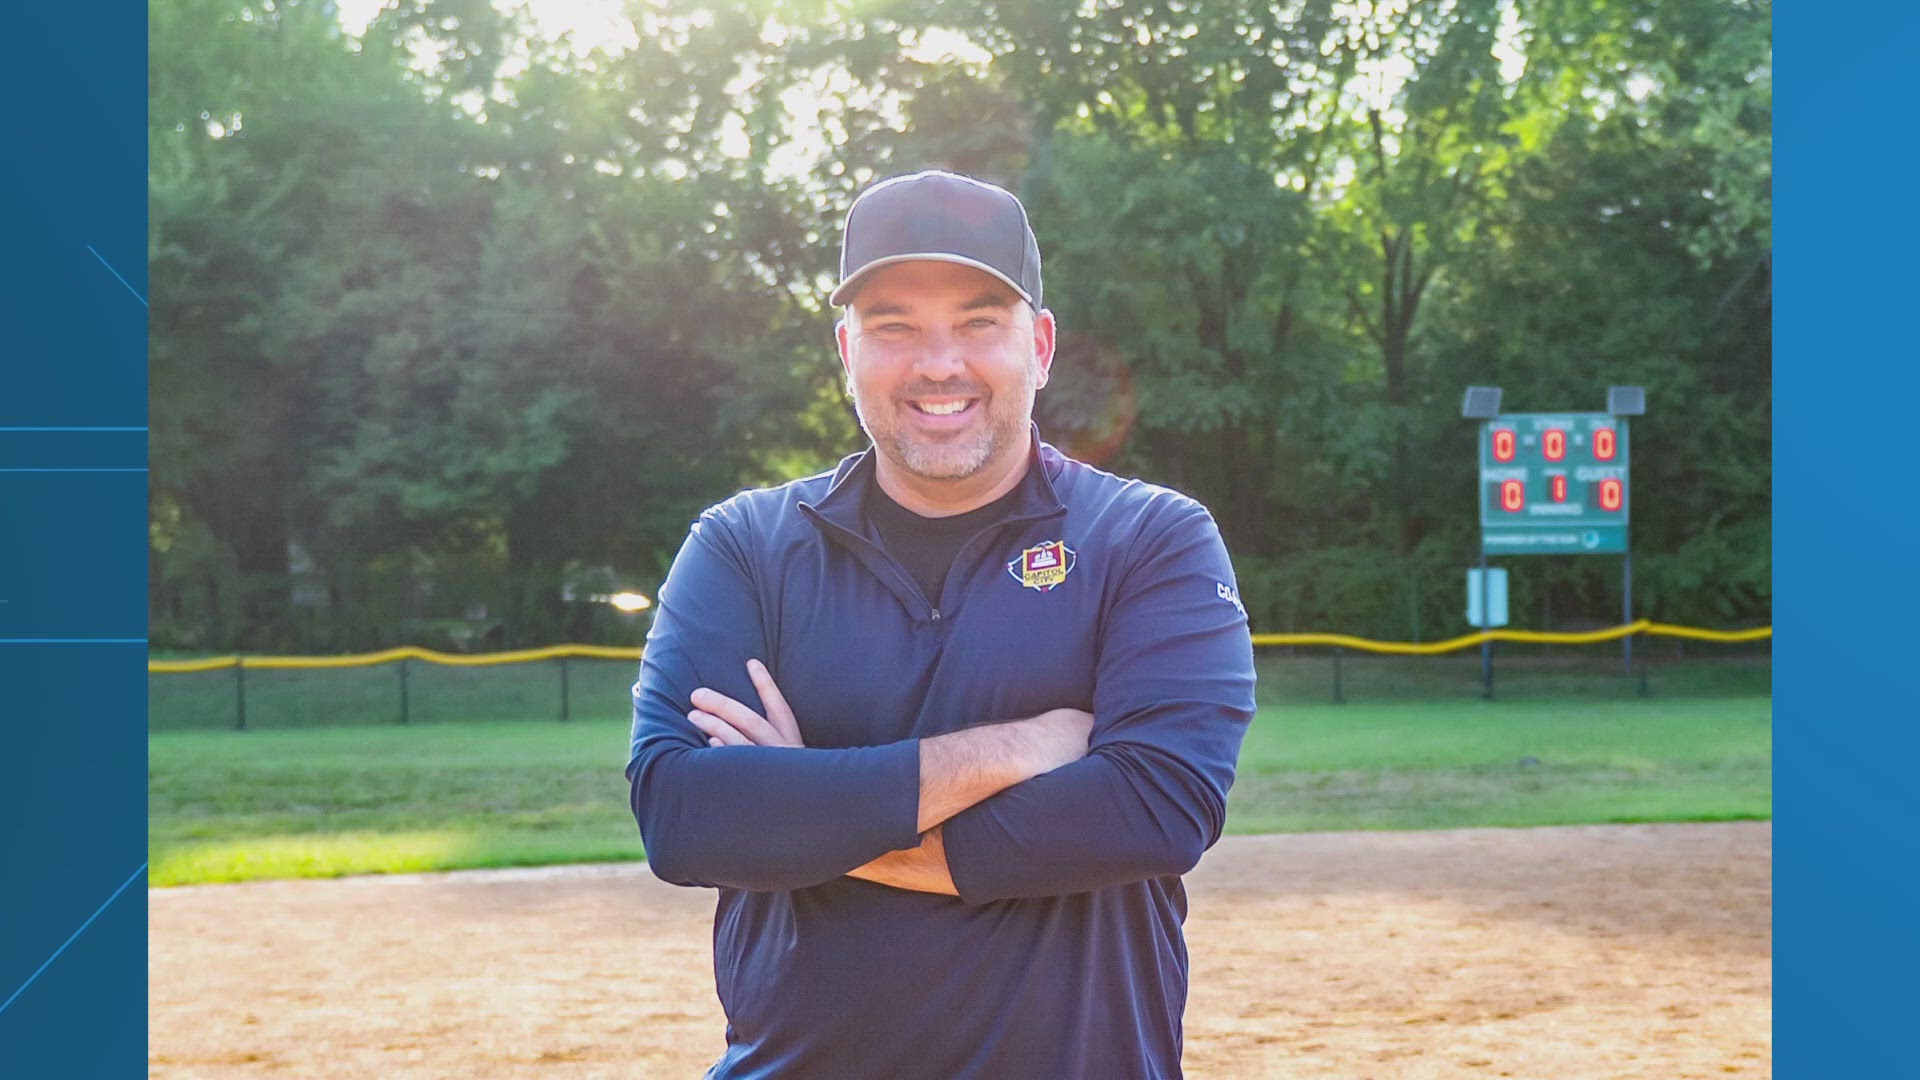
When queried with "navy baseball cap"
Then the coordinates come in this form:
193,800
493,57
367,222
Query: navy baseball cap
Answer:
944,217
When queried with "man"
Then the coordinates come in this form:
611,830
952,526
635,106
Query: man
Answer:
946,725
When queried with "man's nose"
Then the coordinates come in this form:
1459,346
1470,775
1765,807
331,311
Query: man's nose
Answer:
942,358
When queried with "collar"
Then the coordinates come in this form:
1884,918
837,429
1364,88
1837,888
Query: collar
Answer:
1036,497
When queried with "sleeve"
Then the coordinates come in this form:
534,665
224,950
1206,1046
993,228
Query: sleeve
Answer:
758,818
1173,695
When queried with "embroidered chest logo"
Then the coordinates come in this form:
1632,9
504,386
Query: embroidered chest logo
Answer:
1044,566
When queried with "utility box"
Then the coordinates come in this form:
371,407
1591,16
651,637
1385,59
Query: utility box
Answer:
1495,594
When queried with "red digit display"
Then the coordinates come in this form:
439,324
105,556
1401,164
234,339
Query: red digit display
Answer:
1610,495
1554,444
1512,496
1503,444
1558,486
1604,444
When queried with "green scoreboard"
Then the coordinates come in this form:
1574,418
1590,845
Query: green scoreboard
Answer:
1554,484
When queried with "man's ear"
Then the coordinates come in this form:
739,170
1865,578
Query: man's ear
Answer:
841,335
1043,342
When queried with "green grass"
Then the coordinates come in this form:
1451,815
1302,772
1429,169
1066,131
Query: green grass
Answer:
1455,764
324,801
317,802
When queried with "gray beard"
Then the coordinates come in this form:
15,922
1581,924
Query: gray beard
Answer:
1007,422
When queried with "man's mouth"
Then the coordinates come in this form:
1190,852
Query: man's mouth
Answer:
943,406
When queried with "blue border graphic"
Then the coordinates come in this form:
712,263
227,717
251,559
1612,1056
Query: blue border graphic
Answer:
72,955
1845,601
73,494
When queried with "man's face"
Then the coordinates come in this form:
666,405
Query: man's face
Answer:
942,361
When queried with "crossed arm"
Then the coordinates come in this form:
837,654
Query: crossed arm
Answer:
957,769
1026,808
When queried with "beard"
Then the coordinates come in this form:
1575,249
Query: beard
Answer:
1004,423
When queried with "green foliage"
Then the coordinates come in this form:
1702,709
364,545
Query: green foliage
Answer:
392,336
445,300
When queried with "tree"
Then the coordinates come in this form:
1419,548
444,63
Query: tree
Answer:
248,141
447,295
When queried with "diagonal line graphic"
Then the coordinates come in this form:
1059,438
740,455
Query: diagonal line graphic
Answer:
116,274
75,935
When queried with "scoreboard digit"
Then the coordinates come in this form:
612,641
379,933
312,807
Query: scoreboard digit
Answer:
1503,444
1604,442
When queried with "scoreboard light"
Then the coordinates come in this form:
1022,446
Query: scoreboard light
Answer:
1557,487
1480,403
1503,444
1553,443
1605,444
1610,495
1627,400
1513,496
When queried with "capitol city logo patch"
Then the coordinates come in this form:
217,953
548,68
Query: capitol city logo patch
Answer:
1044,566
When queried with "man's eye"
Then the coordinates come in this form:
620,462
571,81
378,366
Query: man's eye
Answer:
984,322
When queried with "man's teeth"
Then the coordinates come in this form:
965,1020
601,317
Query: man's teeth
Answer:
947,409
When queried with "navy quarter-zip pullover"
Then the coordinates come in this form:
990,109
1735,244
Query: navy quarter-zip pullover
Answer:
1062,958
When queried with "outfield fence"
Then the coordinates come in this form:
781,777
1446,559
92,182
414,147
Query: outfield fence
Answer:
425,685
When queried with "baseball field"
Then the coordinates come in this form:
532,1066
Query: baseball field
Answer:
1569,881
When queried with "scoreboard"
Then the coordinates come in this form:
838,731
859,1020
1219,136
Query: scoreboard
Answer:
1554,484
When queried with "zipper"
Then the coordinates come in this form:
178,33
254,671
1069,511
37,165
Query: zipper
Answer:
888,567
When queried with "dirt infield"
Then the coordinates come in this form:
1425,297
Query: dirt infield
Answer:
1556,954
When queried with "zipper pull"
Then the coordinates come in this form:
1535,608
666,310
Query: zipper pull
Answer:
936,614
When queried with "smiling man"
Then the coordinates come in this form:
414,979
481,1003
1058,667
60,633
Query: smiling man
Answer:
943,361
944,726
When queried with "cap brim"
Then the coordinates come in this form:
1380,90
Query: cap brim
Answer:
851,285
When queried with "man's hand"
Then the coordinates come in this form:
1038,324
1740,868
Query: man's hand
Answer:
726,722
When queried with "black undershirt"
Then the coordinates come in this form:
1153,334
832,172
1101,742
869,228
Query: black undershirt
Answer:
926,546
